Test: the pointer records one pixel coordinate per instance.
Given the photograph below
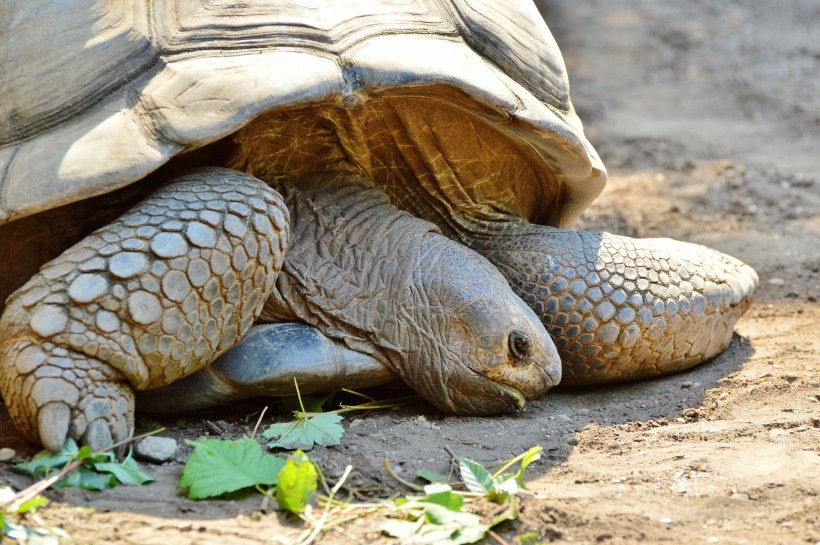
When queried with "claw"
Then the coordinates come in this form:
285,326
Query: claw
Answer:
53,420
97,436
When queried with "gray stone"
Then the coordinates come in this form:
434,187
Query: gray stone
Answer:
156,450
7,454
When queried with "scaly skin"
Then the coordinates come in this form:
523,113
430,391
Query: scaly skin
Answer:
620,308
177,280
478,185
157,294
388,297
390,285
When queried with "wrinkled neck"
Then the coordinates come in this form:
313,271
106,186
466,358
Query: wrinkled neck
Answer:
349,269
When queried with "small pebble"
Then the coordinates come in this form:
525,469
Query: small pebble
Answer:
686,384
572,440
7,454
156,450
777,281
666,520
583,412
563,418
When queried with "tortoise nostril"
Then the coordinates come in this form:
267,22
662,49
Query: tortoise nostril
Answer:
520,345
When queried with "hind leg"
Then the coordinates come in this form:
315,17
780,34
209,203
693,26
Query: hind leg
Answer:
151,297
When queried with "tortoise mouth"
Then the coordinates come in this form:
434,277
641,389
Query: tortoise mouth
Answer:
517,395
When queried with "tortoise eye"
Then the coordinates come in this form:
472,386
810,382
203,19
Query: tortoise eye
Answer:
520,345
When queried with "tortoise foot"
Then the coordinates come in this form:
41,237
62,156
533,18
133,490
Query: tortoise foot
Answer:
620,308
62,393
151,297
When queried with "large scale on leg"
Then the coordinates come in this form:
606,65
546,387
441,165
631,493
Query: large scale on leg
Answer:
457,110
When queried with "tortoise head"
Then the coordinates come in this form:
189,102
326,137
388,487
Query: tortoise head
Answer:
479,348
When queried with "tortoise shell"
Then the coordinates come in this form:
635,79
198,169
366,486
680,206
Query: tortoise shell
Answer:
98,96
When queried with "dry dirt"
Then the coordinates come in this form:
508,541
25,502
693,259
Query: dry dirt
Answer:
707,114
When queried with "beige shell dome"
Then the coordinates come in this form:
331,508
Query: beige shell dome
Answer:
97,96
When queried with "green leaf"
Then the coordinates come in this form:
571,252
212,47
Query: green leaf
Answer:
530,456
88,476
432,477
510,511
442,494
44,462
308,430
32,505
297,483
217,467
477,479
86,479
530,538
401,529
460,528
127,472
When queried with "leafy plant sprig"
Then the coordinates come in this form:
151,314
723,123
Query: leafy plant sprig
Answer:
316,427
437,517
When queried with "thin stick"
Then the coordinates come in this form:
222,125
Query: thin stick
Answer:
359,394
259,421
398,479
323,519
498,538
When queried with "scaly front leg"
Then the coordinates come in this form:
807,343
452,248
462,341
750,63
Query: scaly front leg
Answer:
154,296
620,308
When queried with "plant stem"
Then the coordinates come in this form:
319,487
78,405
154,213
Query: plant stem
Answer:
510,463
398,479
323,519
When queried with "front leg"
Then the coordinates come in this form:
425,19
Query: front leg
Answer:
620,308
154,296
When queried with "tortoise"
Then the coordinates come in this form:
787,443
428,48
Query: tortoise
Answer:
389,186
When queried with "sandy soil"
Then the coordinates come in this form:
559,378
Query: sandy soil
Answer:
707,114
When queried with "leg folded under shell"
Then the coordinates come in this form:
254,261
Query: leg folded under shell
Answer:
265,363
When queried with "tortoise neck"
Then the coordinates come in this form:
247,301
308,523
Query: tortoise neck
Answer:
342,272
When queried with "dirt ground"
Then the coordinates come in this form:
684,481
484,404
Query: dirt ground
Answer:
707,114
